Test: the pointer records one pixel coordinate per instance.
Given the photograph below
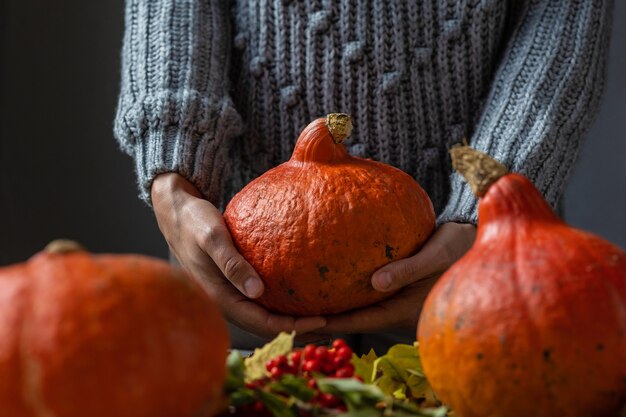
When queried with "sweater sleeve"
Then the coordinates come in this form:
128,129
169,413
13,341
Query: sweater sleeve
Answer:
543,98
174,113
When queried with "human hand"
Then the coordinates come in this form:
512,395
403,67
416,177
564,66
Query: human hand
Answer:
197,235
414,276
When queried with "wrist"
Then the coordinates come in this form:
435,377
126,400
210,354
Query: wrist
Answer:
172,186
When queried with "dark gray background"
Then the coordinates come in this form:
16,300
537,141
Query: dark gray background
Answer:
62,175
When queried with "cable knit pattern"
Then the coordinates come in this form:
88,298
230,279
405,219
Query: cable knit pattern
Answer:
519,79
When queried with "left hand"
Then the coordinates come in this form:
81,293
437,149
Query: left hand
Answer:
414,277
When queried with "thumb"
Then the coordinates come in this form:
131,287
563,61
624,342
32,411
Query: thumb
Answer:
448,243
217,243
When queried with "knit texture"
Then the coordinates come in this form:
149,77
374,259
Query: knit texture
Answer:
219,91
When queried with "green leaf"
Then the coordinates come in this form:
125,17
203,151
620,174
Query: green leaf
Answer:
400,393
399,373
235,371
401,413
242,396
422,412
350,385
364,366
255,364
356,395
294,386
404,357
391,378
276,405
418,385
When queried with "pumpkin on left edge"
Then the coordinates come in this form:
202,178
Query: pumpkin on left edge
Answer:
107,335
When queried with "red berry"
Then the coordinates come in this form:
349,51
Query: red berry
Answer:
321,353
295,357
344,353
338,362
291,369
252,385
281,360
339,343
311,366
276,372
345,372
328,368
258,406
329,400
309,351
312,383
270,364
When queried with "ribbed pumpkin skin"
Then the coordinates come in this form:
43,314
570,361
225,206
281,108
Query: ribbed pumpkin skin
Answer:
318,226
107,335
532,320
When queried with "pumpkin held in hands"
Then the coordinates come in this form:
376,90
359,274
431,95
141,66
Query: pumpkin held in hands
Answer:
532,320
318,226
106,335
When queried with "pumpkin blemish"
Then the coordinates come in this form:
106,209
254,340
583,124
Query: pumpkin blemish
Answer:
323,270
389,252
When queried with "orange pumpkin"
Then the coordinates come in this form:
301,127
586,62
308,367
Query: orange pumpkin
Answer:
318,226
532,320
104,336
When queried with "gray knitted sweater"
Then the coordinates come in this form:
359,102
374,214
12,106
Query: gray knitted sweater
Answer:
219,91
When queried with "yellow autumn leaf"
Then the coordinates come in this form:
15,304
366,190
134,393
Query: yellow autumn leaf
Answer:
255,364
364,366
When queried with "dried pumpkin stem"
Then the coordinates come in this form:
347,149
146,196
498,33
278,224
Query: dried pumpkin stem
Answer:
63,246
479,169
339,125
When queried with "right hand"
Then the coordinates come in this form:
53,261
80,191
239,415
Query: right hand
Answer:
197,235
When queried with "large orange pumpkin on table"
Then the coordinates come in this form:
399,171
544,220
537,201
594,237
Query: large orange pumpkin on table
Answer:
532,320
106,336
318,226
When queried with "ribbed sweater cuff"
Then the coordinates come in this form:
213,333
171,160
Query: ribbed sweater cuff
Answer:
462,206
197,150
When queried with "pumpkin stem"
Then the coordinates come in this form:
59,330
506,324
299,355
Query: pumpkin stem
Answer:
339,125
63,246
479,169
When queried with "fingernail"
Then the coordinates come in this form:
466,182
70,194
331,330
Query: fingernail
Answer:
253,287
383,280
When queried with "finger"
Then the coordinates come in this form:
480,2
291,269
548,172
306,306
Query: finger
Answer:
215,240
256,319
247,314
449,243
364,320
308,324
276,323
401,311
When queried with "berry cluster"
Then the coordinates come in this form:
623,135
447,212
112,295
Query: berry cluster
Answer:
333,362
310,363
